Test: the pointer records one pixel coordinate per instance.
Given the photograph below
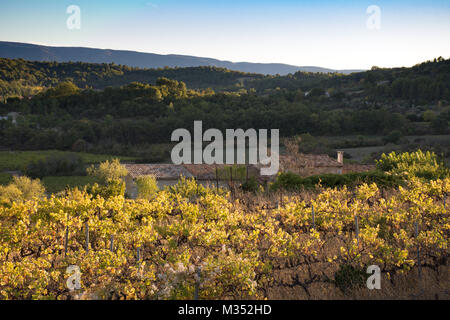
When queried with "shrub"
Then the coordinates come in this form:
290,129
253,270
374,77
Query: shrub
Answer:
416,164
113,188
147,187
21,189
107,171
293,182
79,146
393,137
5,178
251,185
349,277
57,165
440,126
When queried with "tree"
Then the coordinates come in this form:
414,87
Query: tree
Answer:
393,137
108,171
63,89
21,189
429,116
439,125
147,186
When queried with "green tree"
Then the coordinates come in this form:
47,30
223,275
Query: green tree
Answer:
65,88
439,125
429,116
21,189
108,170
147,187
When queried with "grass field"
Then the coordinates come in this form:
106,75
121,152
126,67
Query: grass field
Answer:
5,178
56,184
362,152
18,160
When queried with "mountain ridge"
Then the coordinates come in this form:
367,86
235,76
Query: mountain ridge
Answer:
34,52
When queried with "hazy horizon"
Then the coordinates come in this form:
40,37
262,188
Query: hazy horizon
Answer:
328,34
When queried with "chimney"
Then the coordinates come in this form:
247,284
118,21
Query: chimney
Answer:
340,157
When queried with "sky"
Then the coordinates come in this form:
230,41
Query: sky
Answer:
331,34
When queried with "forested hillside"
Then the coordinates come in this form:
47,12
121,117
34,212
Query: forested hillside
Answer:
101,107
424,82
25,78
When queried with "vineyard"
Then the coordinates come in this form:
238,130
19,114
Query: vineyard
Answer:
192,242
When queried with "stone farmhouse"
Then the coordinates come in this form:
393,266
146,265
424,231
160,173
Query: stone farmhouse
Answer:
212,175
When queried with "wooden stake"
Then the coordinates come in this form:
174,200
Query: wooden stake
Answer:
418,250
197,284
87,237
217,180
111,243
66,241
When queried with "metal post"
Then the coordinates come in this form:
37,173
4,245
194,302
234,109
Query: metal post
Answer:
66,241
138,253
231,174
313,218
357,229
231,182
217,180
111,243
281,197
418,250
197,284
87,237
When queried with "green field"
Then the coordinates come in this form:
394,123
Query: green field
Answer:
18,160
5,178
56,184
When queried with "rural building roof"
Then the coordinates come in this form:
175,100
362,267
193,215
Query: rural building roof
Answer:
159,171
308,161
208,171
172,171
202,171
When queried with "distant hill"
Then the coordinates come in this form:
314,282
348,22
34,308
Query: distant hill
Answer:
15,50
20,77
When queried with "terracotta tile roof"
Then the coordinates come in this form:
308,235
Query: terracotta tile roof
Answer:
208,172
202,171
160,170
308,161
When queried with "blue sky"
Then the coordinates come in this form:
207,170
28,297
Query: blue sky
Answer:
330,34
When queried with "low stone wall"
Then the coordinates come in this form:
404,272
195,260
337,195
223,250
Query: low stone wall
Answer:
350,167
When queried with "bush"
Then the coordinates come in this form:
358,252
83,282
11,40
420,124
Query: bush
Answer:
79,146
349,277
107,171
251,185
5,178
147,187
293,182
113,188
416,164
393,137
21,189
57,165
440,126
